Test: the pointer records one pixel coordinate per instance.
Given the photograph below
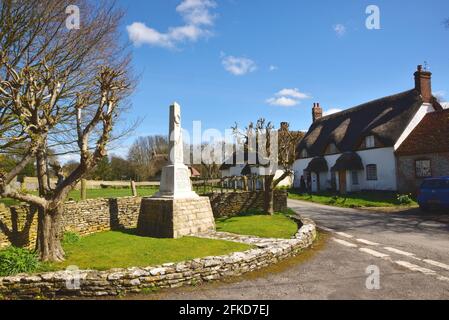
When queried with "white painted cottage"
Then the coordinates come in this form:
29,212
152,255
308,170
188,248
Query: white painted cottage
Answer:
236,168
355,149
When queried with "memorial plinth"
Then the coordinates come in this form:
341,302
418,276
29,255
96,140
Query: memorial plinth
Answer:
176,210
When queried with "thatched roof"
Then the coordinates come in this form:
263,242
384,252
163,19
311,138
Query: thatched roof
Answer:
318,164
385,118
348,161
430,136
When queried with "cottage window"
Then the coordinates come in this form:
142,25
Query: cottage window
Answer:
355,178
304,153
371,172
370,142
423,168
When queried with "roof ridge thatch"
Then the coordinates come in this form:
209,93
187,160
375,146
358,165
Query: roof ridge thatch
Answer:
363,105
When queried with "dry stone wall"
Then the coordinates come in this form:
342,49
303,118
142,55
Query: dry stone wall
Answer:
18,224
230,204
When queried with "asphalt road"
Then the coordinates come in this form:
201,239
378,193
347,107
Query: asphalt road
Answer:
410,250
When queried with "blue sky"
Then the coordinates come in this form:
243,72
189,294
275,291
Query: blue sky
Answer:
228,61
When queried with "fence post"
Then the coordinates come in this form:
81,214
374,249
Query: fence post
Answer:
83,189
133,188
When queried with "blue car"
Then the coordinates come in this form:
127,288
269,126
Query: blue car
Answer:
434,193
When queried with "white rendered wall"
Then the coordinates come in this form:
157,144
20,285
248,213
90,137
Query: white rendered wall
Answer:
382,157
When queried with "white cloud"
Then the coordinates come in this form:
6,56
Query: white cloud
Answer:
198,20
287,98
273,68
445,105
331,111
293,93
340,30
283,102
238,66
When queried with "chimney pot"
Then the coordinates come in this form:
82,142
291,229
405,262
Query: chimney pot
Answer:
317,112
423,83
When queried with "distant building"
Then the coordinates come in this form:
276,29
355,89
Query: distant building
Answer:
235,168
365,147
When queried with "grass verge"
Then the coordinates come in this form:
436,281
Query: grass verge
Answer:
353,200
114,249
265,226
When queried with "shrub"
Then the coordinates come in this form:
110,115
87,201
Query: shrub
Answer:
17,260
71,238
405,199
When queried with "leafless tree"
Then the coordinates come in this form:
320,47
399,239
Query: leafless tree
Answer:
262,133
143,153
60,89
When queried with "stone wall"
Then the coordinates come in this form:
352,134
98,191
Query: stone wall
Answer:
18,224
170,275
231,204
407,180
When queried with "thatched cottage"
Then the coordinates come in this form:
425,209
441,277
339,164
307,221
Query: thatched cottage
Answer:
363,148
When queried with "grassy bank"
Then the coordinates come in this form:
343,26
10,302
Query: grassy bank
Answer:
113,249
265,226
354,200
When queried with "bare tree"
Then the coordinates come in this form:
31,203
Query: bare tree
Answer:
263,133
60,90
143,153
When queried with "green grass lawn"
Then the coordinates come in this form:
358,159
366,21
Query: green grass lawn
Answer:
99,193
265,226
354,200
113,249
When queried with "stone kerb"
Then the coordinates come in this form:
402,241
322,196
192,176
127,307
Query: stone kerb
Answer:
90,283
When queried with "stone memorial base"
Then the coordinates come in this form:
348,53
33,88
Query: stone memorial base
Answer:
175,218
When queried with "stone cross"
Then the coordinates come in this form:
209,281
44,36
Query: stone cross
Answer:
176,144
175,178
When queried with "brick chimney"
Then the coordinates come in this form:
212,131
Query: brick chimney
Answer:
317,112
423,83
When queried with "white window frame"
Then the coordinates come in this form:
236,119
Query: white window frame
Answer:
420,176
370,142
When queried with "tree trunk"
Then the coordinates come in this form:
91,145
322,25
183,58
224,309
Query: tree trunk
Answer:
49,235
269,195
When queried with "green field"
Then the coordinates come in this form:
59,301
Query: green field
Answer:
265,226
114,249
353,200
99,193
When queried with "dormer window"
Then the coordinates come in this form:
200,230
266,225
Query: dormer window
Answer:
304,153
370,142
332,149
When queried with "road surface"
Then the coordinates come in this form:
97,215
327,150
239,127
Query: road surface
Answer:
409,250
